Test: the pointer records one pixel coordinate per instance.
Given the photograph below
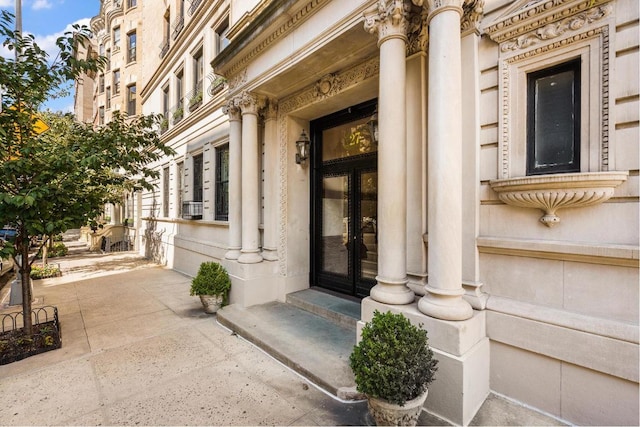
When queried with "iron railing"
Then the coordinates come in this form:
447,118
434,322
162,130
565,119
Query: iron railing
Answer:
194,6
178,25
164,48
195,97
218,84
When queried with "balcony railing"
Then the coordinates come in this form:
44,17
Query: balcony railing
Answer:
164,48
191,210
178,25
195,97
194,6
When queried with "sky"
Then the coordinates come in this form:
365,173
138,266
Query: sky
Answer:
47,20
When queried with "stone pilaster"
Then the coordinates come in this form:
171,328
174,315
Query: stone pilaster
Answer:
443,299
270,244
250,105
235,180
389,21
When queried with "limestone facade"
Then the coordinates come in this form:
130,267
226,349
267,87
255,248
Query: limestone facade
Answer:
527,282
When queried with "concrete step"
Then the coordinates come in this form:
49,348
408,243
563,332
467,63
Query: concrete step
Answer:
312,345
344,312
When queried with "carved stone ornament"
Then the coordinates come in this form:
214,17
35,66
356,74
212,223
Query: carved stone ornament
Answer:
326,85
232,110
472,11
250,103
417,30
389,19
552,192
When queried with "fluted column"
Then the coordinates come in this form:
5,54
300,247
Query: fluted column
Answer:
443,299
389,21
250,105
235,180
269,247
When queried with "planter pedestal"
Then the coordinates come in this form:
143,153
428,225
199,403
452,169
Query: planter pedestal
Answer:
390,414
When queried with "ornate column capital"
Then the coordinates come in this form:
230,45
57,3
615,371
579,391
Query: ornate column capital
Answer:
471,15
232,110
270,111
250,103
437,6
418,29
389,19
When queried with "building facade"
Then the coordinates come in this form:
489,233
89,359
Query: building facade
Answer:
472,164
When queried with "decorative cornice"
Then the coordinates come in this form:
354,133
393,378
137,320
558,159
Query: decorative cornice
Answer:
533,16
557,29
552,192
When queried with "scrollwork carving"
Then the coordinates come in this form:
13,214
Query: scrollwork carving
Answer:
472,11
389,19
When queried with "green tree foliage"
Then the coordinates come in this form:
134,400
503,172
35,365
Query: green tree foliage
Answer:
59,179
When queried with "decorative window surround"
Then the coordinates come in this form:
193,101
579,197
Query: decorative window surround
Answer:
563,190
535,35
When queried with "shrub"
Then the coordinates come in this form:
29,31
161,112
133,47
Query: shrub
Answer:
44,271
58,250
393,360
212,279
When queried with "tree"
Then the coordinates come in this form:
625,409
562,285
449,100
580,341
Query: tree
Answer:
59,179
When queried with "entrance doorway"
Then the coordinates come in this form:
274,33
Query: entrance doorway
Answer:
344,243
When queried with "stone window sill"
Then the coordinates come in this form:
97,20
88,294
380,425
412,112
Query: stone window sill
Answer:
552,192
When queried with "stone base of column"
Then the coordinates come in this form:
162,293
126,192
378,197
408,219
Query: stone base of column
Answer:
474,296
462,349
250,257
253,284
445,304
269,254
232,253
416,283
392,292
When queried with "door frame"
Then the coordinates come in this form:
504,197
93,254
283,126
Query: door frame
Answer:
364,162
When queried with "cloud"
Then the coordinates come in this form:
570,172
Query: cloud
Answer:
48,42
41,4
7,3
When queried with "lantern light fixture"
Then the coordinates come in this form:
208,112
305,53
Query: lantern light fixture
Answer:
302,148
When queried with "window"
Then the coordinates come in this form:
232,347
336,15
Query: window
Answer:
131,46
180,88
101,115
221,36
101,50
131,100
553,119
179,173
222,183
198,70
108,100
108,64
101,83
116,39
197,178
165,101
165,192
116,82
132,3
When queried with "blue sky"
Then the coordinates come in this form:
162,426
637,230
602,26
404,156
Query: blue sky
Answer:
49,19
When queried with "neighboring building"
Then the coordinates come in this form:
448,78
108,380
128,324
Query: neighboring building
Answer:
472,164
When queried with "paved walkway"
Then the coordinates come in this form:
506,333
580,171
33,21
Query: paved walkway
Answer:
137,349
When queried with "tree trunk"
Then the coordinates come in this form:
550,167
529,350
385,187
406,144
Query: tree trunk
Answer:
25,275
45,250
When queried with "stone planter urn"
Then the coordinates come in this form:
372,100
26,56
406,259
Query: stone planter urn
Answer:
391,414
211,303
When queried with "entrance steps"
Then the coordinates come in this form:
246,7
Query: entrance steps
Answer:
313,333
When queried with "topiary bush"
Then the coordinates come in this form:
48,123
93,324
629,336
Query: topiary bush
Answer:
212,279
393,360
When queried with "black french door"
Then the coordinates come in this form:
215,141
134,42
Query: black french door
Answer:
345,201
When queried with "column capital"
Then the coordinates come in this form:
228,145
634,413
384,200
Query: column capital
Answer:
389,19
473,10
250,103
232,110
438,6
270,111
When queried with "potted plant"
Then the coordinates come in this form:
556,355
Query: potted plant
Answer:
212,285
393,365
195,101
177,115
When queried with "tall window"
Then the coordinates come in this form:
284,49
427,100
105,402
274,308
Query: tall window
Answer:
101,115
198,70
116,82
165,101
221,36
108,96
197,178
116,39
180,89
222,183
131,46
101,50
553,119
165,192
108,64
132,3
101,83
131,100
179,174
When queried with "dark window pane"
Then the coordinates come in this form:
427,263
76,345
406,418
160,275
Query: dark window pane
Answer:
553,123
222,184
197,178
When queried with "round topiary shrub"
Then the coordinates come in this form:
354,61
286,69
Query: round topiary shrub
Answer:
393,360
212,279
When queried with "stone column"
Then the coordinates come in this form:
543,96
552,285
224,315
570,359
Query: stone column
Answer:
235,180
389,21
250,105
270,245
443,299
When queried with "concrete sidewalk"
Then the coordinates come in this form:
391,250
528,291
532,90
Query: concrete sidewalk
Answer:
137,349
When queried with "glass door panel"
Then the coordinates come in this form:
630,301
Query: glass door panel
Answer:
368,204
336,234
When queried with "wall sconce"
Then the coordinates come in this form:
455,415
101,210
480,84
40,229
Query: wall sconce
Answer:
302,148
373,125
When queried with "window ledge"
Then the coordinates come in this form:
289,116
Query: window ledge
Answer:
552,192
